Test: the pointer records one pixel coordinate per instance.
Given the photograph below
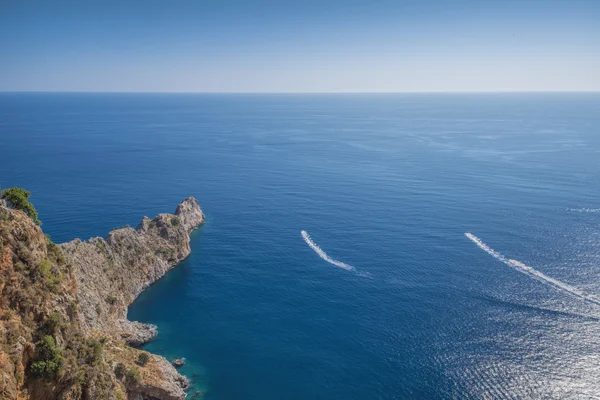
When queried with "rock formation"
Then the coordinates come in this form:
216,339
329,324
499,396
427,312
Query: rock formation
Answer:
63,325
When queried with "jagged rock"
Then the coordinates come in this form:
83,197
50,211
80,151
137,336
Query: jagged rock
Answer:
184,382
143,225
189,211
172,385
126,262
178,362
136,333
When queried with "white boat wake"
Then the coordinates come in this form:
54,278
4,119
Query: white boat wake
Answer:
324,255
533,273
585,210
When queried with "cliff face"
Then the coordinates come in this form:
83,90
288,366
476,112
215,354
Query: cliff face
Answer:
84,289
113,271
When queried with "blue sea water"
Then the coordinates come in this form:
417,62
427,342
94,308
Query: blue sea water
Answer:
386,184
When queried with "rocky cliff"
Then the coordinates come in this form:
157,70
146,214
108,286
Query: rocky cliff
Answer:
63,326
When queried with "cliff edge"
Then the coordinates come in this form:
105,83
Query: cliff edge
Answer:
63,309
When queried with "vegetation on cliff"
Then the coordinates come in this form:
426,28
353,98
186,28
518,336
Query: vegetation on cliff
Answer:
17,198
44,350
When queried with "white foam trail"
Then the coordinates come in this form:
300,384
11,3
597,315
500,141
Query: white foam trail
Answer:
324,255
585,210
533,273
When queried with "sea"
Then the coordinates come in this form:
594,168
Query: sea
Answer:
356,246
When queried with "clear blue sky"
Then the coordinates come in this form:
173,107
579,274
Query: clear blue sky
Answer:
300,46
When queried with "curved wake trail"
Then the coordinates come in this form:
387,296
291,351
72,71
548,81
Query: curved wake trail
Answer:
324,255
532,272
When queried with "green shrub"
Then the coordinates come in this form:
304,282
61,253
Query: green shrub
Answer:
176,221
48,358
120,370
17,199
54,250
143,359
111,300
132,377
44,273
91,352
52,324
44,268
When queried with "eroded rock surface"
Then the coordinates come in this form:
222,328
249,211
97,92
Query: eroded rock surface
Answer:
111,272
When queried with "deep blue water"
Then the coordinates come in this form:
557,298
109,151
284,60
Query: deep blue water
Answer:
388,184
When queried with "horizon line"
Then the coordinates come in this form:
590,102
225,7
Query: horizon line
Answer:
293,93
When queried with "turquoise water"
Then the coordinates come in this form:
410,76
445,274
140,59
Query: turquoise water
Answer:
386,185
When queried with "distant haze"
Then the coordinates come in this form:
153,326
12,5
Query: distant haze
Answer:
300,46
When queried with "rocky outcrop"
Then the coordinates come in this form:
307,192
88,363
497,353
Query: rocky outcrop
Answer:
84,288
111,272
158,378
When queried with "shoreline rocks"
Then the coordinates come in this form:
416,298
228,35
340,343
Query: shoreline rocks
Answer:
178,362
136,334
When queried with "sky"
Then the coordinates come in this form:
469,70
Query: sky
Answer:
300,46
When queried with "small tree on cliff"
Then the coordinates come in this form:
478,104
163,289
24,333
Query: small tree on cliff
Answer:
17,198
143,359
